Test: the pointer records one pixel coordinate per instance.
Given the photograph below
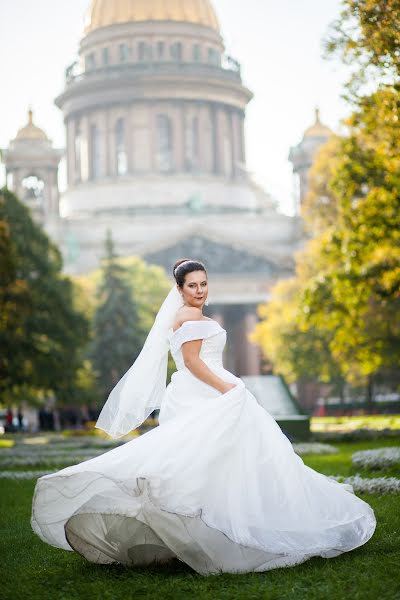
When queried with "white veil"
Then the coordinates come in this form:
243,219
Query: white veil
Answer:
141,389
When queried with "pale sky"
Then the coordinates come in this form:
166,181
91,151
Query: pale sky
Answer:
278,43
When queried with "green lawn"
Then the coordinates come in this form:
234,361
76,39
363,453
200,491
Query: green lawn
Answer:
34,570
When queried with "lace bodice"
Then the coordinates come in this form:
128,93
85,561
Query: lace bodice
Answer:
212,334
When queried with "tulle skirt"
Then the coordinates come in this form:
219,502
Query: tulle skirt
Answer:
216,485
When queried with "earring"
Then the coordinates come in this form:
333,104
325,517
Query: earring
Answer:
206,302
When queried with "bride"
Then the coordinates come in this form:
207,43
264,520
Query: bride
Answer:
216,485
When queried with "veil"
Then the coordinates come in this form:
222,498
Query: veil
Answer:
141,389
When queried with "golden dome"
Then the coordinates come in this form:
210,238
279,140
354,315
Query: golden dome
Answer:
318,129
112,12
30,131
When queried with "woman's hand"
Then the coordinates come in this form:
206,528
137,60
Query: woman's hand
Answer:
226,387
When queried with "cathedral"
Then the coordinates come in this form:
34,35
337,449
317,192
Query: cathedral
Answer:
154,112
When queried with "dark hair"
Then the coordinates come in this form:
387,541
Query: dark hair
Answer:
189,266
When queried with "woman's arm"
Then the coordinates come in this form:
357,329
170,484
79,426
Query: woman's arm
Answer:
192,360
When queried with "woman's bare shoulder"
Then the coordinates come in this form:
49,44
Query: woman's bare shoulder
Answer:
187,313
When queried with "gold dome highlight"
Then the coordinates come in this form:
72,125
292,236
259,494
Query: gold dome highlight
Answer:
317,129
103,13
31,131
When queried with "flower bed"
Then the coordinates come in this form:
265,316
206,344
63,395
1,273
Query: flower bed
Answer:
380,458
314,448
23,474
377,485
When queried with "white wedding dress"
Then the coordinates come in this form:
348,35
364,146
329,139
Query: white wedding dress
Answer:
216,485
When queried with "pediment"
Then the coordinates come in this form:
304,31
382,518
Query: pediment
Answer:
219,258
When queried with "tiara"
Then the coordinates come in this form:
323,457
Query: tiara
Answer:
185,262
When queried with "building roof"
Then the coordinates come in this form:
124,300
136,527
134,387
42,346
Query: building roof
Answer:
317,129
103,13
31,131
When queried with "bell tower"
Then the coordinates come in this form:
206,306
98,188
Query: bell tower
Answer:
302,156
31,164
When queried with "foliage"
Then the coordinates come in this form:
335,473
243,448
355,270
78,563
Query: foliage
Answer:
320,210
148,285
338,317
117,338
40,332
296,350
367,36
356,294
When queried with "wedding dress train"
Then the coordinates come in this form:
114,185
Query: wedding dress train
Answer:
217,485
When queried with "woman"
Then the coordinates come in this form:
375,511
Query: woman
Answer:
216,485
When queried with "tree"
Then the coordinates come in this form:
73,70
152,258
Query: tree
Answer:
40,332
117,336
298,351
368,279
346,292
367,36
320,209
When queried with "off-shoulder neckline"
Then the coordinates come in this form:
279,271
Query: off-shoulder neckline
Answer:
195,321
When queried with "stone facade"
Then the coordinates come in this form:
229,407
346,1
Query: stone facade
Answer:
154,114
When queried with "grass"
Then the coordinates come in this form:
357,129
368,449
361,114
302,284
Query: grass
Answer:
32,570
340,463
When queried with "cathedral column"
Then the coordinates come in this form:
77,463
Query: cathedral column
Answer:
102,124
235,146
232,142
55,193
215,140
205,138
248,356
70,126
108,135
49,183
128,140
178,137
242,139
253,354
85,149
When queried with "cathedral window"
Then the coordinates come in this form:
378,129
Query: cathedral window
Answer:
213,56
160,50
106,56
121,157
123,53
164,143
196,53
176,51
145,52
90,62
95,152
192,144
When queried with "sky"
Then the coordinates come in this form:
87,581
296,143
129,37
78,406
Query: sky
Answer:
279,44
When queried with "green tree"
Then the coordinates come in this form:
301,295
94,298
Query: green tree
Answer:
367,37
298,350
320,208
40,332
117,336
346,298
